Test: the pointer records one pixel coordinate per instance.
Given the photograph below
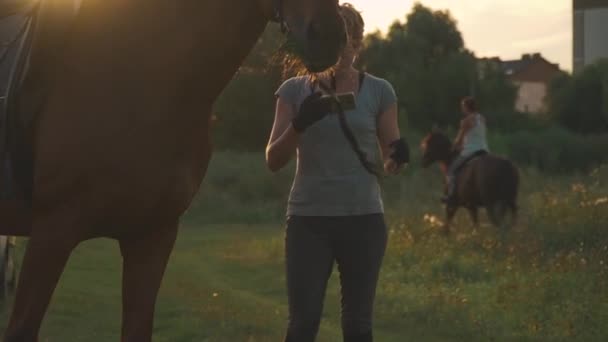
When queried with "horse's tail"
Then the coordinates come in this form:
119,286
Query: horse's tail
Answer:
510,188
512,201
504,199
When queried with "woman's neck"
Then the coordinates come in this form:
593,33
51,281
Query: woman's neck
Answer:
344,70
345,79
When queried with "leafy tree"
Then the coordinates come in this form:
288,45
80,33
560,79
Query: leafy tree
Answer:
579,102
494,91
244,111
423,57
425,60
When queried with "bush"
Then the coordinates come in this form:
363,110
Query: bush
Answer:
235,181
556,150
508,121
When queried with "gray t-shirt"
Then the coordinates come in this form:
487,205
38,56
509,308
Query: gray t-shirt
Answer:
330,180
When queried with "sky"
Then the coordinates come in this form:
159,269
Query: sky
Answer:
503,28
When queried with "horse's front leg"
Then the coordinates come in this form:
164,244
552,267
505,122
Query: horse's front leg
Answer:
474,213
450,212
54,236
144,262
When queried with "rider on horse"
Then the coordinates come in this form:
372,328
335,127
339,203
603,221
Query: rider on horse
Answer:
470,142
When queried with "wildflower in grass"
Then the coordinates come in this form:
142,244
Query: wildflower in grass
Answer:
594,203
579,188
433,220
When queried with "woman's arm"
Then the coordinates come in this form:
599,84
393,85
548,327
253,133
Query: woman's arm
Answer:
465,126
283,138
388,132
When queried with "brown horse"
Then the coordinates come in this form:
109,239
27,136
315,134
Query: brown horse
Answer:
486,181
121,141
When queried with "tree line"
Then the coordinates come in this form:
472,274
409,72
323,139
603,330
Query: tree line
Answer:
426,60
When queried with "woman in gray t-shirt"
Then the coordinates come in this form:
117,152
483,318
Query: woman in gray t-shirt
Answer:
335,210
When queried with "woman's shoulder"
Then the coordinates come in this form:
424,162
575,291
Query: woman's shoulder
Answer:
291,87
377,80
379,84
381,89
295,81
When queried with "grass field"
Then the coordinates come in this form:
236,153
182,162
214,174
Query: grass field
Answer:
548,281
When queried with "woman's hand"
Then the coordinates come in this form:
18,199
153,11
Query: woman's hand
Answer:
395,151
401,151
311,111
392,168
399,157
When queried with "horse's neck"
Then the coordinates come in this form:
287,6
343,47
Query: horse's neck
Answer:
223,46
241,24
191,49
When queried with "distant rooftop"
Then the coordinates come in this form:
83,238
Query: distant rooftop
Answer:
530,68
514,66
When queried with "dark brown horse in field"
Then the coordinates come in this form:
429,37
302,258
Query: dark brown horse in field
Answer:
120,142
486,181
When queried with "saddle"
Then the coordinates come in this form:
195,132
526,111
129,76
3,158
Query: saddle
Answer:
470,159
30,56
476,155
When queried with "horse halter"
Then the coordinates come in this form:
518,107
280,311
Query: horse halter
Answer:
278,15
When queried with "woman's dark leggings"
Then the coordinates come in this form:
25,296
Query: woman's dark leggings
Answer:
357,245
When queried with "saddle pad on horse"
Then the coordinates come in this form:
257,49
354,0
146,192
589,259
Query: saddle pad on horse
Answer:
460,164
29,56
476,155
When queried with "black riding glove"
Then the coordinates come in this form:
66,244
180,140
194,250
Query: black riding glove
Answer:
311,111
401,151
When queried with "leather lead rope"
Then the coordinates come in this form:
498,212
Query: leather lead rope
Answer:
348,133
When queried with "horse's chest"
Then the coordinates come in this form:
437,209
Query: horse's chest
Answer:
167,187
128,181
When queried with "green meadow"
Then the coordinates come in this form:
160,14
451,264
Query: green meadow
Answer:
547,280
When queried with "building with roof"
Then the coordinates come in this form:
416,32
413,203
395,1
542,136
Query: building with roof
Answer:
532,74
589,32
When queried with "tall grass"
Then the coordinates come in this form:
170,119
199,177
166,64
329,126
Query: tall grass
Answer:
546,281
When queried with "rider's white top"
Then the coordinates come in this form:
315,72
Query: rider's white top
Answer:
475,139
